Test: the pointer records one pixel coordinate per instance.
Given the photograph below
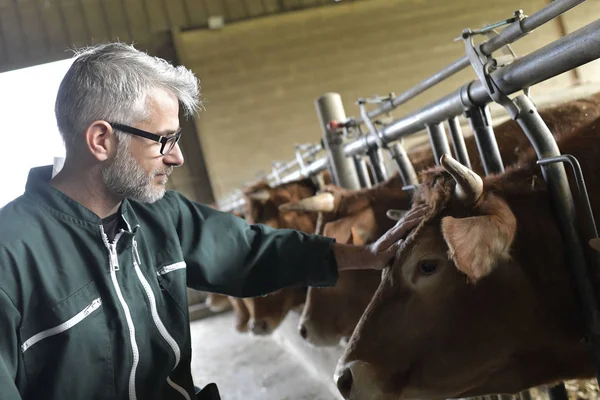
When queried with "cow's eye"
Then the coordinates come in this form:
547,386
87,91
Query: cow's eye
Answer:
428,267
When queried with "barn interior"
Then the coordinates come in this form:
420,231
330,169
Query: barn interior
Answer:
263,65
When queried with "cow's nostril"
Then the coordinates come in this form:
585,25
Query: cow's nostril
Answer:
259,327
303,331
344,383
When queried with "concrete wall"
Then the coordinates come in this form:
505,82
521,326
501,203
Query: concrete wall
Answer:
260,77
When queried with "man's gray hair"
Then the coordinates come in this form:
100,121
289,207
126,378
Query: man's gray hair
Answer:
111,82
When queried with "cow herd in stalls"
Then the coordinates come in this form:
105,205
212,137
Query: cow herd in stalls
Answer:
478,300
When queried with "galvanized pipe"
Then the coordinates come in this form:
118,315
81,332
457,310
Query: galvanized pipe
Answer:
569,52
458,142
379,171
330,108
405,167
510,34
438,141
483,130
362,171
313,168
558,186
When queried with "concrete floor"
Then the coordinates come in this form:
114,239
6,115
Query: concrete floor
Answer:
249,367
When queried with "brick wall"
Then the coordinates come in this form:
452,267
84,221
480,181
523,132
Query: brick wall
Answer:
260,78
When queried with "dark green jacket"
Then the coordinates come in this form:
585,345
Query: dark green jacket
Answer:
82,318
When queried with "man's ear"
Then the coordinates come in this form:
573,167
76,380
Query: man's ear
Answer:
476,244
100,140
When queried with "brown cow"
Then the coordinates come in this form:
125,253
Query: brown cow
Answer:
332,313
261,315
479,298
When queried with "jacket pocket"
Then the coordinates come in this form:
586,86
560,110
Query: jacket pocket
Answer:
172,279
66,348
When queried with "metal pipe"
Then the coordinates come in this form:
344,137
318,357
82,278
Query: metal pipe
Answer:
362,171
314,168
438,141
558,186
458,142
483,130
405,167
294,163
566,53
510,34
330,108
379,171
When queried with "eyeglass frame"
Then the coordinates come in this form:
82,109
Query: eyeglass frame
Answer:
163,140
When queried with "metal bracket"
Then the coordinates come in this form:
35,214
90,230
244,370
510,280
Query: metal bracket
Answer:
581,188
484,64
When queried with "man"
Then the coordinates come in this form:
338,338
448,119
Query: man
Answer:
94,262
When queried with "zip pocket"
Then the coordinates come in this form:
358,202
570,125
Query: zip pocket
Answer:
87,311
170,268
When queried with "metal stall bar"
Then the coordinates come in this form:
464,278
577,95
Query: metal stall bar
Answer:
362,171
458,142
438,141
379,171
314,168
510,34
330,108
311,152
483,130
558,185
405,167
569,52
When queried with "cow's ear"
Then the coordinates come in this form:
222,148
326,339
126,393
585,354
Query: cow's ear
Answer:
476,244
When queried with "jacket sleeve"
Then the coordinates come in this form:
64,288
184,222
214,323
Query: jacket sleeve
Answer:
225,254
9,348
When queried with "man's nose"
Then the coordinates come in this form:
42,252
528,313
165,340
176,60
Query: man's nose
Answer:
175,157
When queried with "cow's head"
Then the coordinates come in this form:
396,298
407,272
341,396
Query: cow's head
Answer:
267,312
331,313
353,217
457,315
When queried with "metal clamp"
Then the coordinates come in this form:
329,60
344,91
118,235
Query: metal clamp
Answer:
485,64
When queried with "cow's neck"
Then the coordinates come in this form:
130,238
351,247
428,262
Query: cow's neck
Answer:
538,250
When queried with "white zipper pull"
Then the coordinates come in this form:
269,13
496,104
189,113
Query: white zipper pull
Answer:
114,259
136,255
92,307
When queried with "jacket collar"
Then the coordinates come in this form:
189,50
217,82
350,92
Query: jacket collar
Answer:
39,189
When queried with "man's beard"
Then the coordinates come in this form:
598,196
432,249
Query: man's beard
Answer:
126,178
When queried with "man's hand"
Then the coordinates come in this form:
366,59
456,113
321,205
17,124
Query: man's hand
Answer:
378,255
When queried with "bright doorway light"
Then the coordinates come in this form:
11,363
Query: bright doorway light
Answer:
29,136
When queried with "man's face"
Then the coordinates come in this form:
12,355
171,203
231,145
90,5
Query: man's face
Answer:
139,172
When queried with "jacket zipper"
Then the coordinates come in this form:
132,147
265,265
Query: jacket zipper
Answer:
156,318
169,268
114,266
93,306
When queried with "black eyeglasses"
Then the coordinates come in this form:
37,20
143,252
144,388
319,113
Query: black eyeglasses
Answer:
167,142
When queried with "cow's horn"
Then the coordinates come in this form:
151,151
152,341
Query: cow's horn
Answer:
324,202
469,185
395,215
261,195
